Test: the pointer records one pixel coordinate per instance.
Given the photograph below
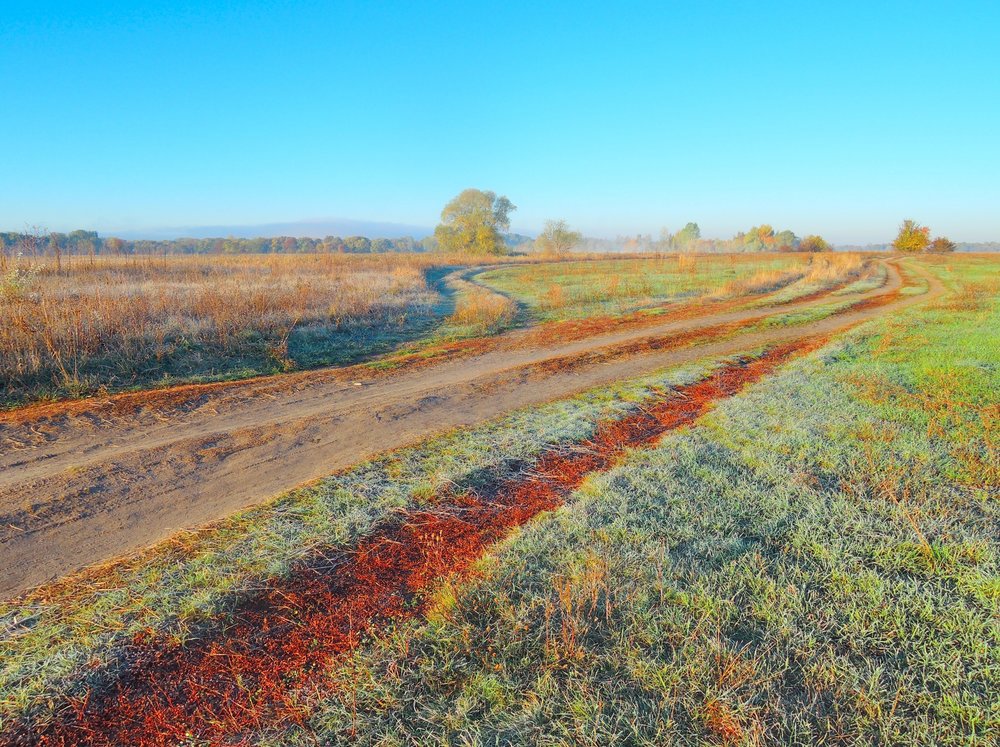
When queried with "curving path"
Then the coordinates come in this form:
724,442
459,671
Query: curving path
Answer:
100,479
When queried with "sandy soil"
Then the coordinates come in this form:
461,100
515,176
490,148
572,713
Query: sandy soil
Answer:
89,481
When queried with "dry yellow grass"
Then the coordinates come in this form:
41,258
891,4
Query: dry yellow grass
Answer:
825,268
484,310
124,316
92,322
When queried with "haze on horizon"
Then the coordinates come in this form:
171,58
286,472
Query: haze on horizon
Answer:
839,121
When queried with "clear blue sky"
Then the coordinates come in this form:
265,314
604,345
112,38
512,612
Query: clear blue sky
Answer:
620,118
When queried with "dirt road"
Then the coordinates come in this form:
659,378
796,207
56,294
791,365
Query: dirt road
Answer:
99,480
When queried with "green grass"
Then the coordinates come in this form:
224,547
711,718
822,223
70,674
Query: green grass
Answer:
816,562
572,290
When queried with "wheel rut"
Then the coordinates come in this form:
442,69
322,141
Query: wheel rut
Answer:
96,480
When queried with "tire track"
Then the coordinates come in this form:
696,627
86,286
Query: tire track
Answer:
109,486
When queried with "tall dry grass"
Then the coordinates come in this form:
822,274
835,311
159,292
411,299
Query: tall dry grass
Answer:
116,321
832,268
85,323
484,311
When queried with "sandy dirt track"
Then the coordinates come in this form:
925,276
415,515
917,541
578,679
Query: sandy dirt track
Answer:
93,483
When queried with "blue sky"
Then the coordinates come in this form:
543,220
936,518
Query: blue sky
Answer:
626,117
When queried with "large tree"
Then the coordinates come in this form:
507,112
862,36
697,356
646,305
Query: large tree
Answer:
912,237
761,238
556,238
474,223
785,241
358,244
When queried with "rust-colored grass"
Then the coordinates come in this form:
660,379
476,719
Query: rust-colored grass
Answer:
571,330
258,665
638,347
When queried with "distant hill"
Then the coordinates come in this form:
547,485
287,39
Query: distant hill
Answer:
312,229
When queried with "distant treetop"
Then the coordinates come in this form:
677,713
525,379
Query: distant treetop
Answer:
941,245
813,243
39,243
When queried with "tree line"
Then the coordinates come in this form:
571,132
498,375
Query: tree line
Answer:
475,222
36,243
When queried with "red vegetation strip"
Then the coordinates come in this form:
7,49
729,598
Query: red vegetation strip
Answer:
640,346
243,677
875,302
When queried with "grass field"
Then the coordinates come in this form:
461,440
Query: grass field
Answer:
581,289
116,323
815,561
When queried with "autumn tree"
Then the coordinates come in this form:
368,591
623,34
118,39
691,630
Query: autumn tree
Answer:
474,223
556,238
757,239
785,241
912,237
941,245
813,243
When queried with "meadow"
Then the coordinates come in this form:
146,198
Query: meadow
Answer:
583,288
813,561
92,325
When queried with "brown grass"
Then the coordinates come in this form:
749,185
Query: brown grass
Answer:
88,323
115,319
97,323
484,310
